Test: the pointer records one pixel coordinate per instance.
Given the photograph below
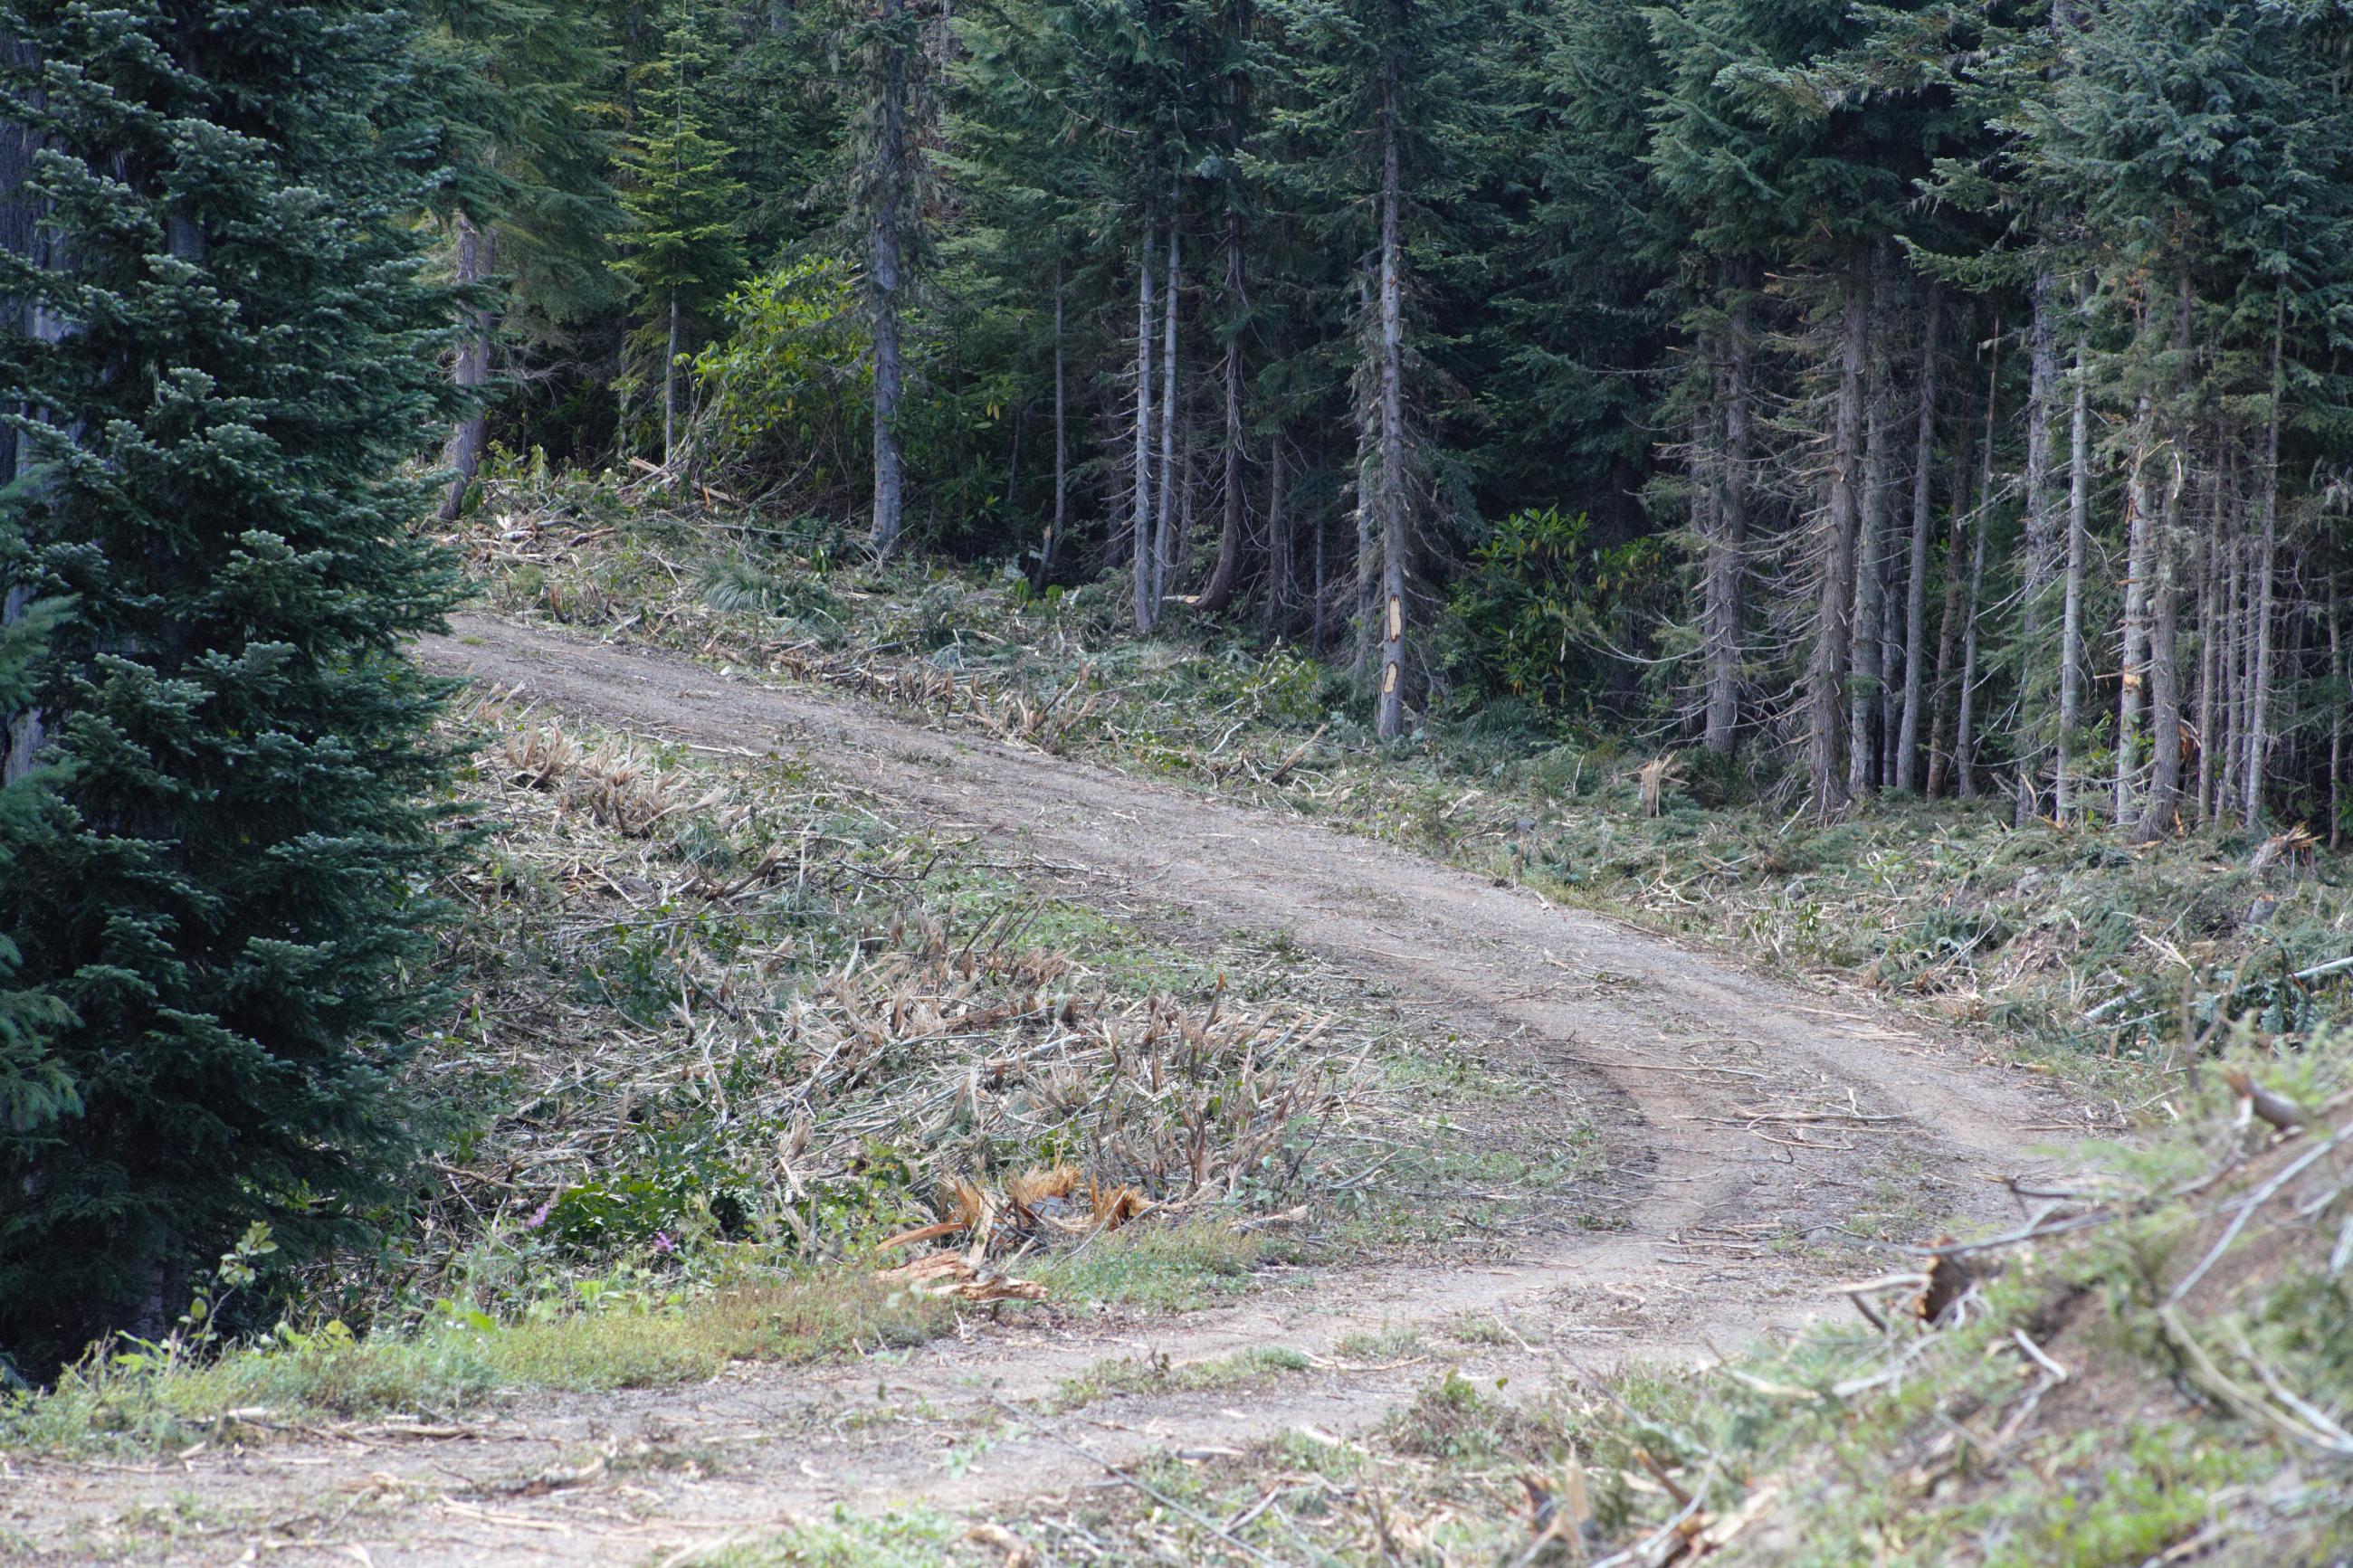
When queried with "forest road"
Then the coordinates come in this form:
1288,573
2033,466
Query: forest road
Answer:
1751,1123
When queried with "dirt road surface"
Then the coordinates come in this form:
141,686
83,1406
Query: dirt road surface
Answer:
1743,1110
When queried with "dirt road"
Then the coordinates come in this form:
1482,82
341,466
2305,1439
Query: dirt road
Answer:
1749,1111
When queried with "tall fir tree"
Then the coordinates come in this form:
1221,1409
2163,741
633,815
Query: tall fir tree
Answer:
226,347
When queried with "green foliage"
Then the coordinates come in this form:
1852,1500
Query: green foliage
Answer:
1537,613
229,897
786,388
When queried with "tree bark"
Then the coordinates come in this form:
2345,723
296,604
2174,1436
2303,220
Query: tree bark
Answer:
1916,593
2133,680
1727,544
1164,554
471,373
1281,573
2259,696
1061,442
2337,720
2041,530
1964,753
1389,712
1147,602
891,155
1225,575
1826,672
1948,628
23,735
2210,615
1869,652
669,389
2164,686
2071,627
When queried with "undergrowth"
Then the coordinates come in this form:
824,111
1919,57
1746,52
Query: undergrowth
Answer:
728,1037
2154,1367
2108,955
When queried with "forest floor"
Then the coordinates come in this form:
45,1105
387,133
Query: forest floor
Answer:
1748,1128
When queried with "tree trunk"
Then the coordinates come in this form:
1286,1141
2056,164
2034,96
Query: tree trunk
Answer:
1322,590
1389,714
2210,615
2259,696
1948,628
463,455
2164,686
1727,542
2133,680
669,390
1164,554
1915,591
1964,753
2337,720
2071,625
1147,602
891,155
1868,653
2042,532
1281,572
2229,660
1225,575
1826,672
1061,442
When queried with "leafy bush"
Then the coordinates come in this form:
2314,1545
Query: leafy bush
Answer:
785,390
1533,614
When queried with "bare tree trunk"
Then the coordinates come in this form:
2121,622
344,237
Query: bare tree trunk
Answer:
1322,592
2041,532
1863,689
1727,542
1964,753
2230,660
1389,714
1281,573
2337,720
2164,685
2259,697
2071,631
1147,602
1164,554
1826,672
891,155
1948,628
2209,662
1916,593
1227,572
2132,681
1225,575
669,389
1061,442
463,455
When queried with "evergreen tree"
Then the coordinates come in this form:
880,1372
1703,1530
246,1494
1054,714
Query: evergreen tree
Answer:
227,350
517,86
683,250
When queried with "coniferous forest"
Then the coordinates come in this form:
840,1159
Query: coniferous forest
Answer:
1933,409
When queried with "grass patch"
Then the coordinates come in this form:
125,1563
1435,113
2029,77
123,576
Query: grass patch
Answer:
1114,1379
1179,1268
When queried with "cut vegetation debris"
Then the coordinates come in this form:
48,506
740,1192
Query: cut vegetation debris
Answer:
2110,954
2153,1364
734,1043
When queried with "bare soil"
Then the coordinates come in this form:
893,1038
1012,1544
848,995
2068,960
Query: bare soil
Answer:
1750,1122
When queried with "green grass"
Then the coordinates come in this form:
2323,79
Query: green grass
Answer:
1112,1379
145,1400
1179,1267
